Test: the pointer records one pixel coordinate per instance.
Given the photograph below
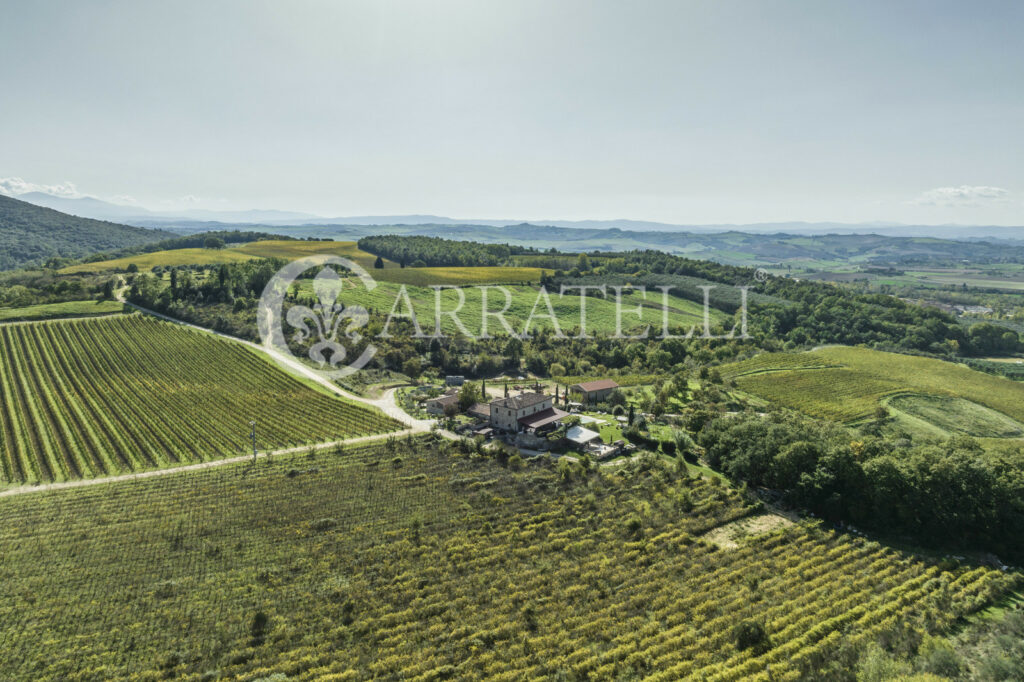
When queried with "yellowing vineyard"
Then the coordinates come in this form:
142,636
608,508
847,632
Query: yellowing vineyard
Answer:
417,560
270,248
91,397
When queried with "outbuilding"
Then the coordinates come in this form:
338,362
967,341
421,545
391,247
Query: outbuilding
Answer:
594,391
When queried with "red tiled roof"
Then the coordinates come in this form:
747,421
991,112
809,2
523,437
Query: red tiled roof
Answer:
542,418
599,385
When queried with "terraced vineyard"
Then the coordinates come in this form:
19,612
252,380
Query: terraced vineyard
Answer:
90,397
411,560
848,384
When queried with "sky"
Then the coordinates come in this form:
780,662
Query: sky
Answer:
679,111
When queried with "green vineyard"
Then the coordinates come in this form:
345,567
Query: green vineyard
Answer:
410,559
91,397
849,383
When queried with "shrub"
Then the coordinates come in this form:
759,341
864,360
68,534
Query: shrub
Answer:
749,634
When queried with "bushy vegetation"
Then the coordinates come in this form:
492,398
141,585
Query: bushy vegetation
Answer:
953,494
90,397
416,560
415,251
22,288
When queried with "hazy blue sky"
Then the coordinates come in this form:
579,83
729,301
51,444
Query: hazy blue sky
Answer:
689,112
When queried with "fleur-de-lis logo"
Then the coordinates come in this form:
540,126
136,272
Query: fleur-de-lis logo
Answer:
326,316
328,322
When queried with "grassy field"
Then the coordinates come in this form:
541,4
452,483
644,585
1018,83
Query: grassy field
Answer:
47,311
848,384
600,313
91,397
956,415
404,560
459,276
282,248
174,257
622,380
291,250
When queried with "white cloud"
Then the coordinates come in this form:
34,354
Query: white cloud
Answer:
15,186
964,195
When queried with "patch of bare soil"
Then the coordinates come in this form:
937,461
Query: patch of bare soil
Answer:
732,534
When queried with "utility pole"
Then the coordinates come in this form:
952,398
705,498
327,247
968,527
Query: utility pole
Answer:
253,425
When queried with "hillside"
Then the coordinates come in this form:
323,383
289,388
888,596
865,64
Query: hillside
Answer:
412,560
93,397
850,384
30,235
735,247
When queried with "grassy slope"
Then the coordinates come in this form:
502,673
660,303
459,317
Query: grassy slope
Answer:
84,398
262,249
46,311
391,272
847,384
600,313
407,563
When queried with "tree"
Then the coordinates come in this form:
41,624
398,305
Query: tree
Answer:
629,419
213,243
379,263
132,267
469,395
412,367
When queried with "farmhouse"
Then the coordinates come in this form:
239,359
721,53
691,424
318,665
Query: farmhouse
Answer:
437,405
530,412
594,391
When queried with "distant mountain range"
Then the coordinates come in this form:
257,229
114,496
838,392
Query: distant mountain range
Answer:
31,234
90,207
196,219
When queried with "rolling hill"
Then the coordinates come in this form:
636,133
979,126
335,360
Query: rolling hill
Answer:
31,235
849,384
